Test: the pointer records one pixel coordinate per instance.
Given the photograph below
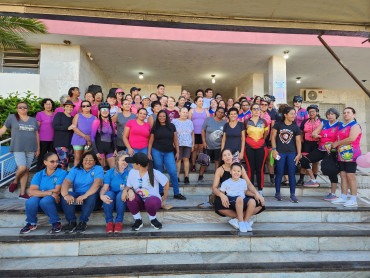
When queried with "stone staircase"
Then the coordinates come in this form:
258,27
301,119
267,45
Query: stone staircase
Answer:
313,238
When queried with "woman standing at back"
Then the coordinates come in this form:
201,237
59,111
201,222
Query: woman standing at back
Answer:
198,115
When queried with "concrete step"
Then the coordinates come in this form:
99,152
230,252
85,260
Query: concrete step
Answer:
309,209
188,238
190,265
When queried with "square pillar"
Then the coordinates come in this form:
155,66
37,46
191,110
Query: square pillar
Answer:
277,78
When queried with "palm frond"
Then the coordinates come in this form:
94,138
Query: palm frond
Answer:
22,25
10,39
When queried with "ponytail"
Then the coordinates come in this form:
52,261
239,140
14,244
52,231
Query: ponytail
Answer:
151,172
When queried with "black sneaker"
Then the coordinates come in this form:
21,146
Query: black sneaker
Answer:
179,196
186,180
272,181
178,179
156,224
137,225
28,228
81,228
56,228
300,182
70,227
193,169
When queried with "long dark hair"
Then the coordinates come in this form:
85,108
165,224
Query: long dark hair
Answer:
101,123
79,165
149,163
221,161
16,114
157,124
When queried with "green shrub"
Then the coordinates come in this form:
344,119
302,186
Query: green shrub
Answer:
8,106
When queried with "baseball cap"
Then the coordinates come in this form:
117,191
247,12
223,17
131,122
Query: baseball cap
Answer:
138,158
68,102
144,96
134,89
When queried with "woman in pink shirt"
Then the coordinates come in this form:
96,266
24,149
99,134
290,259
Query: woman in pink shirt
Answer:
74,94
89,96
136,105
136,134
46,131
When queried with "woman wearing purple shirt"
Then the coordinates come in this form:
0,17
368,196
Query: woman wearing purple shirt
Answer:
46,131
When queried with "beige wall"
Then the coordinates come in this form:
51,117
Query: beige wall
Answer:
147,89
253,84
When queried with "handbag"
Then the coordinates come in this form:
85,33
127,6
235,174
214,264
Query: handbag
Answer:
203,158
329,165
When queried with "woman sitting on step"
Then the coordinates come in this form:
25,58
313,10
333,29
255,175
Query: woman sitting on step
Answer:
44,193
222,204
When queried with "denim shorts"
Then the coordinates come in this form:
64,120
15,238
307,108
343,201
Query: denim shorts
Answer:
24,158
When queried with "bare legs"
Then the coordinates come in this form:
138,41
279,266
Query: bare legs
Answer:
21,176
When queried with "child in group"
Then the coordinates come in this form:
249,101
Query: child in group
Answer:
236,189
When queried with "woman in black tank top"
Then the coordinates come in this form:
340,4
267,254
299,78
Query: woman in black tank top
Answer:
221,200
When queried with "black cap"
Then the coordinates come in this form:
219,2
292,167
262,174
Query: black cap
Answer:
138,158
112,94
68,102
134,89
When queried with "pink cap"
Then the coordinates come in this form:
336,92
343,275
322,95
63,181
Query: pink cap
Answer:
119,91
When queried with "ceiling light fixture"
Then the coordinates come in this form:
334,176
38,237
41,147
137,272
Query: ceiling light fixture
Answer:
213,78
89,55
286,54
298,80
141,75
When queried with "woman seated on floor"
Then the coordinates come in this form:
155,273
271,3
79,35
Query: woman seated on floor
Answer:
44,193
222,204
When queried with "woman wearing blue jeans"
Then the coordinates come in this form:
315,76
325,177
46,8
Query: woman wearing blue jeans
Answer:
162,142
286,146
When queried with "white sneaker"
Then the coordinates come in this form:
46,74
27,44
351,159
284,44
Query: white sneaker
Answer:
243,227
260,192
235,223
250,222
249,228
339,201
351,203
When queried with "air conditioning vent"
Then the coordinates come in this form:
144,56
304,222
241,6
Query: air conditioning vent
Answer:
314,95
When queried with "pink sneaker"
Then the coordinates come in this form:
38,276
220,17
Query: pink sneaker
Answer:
13,187
310,183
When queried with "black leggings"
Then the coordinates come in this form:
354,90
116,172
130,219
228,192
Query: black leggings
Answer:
45,147
315,156
255,159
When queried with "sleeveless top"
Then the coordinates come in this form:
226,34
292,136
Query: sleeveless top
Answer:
328,134
84,125
225,176
308,127
348,153
198,120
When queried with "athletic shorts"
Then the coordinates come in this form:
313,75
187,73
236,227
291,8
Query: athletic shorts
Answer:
218,205
184,152
309,146
78,147
198,139
105,149
348,167
214,154
24,158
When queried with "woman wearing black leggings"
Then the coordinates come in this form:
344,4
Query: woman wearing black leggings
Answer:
256,151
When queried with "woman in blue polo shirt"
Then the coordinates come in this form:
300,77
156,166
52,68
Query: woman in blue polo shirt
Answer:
115,181
44,192
86,177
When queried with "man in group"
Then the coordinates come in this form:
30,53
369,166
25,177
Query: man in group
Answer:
160,91
207,98
188,103
218,97
245,112
134,91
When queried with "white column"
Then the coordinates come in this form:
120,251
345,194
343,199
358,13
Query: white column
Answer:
277,78
252,85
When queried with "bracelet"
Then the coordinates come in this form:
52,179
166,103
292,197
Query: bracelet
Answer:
273,149
51,193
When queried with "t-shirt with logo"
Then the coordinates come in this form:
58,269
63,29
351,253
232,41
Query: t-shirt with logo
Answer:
142,186
286,137
214,132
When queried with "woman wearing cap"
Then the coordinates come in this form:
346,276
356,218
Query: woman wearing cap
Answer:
112,100
44,193
63,132
25,145
89,96
301,113
162,144
172,111
234,135
82,131
146,104
142,190
197,115
310,143
46,132
326,133
136,134
119,95
155,107
86,178
348,147
74,94
286,147
137,104
121,120
115,181
103,136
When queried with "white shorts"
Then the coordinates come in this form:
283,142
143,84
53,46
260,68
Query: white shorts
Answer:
24,158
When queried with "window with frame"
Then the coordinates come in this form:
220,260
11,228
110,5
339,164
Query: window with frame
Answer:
15,61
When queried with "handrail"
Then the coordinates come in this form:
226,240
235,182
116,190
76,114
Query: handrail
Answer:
1,143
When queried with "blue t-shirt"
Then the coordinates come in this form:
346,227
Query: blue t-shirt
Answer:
45,182
115,180
82,180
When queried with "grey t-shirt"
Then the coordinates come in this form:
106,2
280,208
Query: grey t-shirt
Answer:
121,122
23,134
214,132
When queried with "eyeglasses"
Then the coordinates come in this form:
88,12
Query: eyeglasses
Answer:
89,159
22,107
256,108
53,161
263,104
84,106
104,110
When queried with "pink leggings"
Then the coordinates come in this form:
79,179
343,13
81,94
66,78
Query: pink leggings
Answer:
151,205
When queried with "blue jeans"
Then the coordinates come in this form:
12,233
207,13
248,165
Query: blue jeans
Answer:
168,160
143,150
286,160
86,208
47,204
120,207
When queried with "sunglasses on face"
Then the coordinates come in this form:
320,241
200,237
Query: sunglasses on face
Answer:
298,101
22,107
256,108
120,93
104,110
84,106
